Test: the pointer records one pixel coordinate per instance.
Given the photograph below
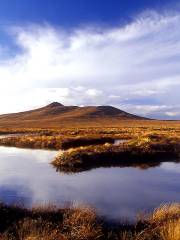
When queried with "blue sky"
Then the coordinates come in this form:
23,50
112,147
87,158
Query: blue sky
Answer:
90,52
74,12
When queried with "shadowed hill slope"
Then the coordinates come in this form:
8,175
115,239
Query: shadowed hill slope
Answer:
56,114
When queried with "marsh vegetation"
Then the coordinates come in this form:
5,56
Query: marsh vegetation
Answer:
82,223
94,147
139,150
80,149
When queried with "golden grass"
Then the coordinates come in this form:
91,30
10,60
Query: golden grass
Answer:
145,148
49,224
90,145
34,229
165,212
53,141
162,224
166,220
82,223
170,230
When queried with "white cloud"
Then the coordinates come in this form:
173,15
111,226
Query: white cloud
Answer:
135,66
172,114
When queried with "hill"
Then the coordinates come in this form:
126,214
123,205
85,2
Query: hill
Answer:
56,115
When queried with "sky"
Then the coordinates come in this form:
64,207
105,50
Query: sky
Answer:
122,53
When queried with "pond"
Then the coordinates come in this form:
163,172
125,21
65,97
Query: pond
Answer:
28,178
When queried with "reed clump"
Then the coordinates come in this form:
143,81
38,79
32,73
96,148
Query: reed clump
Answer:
82,223
49,223
163,224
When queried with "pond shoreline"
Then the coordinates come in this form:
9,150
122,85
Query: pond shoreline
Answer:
85,152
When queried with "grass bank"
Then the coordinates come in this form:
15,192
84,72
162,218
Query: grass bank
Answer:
87,148
65,138
83,224
149,148
55,142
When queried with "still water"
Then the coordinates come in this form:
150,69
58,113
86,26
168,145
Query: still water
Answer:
28,178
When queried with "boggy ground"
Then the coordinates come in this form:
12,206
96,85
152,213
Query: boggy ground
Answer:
55,142
63,138
144,149
82,223
90,147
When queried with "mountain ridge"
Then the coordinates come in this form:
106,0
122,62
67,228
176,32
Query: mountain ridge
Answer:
56,113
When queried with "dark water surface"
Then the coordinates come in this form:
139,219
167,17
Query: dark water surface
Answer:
26,177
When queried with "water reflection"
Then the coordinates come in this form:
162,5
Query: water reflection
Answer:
27,177
121,163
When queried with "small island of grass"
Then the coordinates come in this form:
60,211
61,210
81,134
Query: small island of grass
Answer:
142,150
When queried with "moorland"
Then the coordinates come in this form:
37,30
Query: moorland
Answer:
86,138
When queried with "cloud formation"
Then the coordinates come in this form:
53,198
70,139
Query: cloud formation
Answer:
134,66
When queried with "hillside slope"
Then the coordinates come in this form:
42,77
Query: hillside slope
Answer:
56,114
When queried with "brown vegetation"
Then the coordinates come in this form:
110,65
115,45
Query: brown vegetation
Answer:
82,223
53,142
56,115
163,223
49,223
142,149
94,147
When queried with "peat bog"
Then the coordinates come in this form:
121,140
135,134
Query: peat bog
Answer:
87,155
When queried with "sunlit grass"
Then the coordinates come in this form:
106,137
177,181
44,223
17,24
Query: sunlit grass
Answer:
145,148
82,223
95,146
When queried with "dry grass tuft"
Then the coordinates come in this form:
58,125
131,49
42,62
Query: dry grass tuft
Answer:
165,212
163,224
34,229
170,230
81,224
49,223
